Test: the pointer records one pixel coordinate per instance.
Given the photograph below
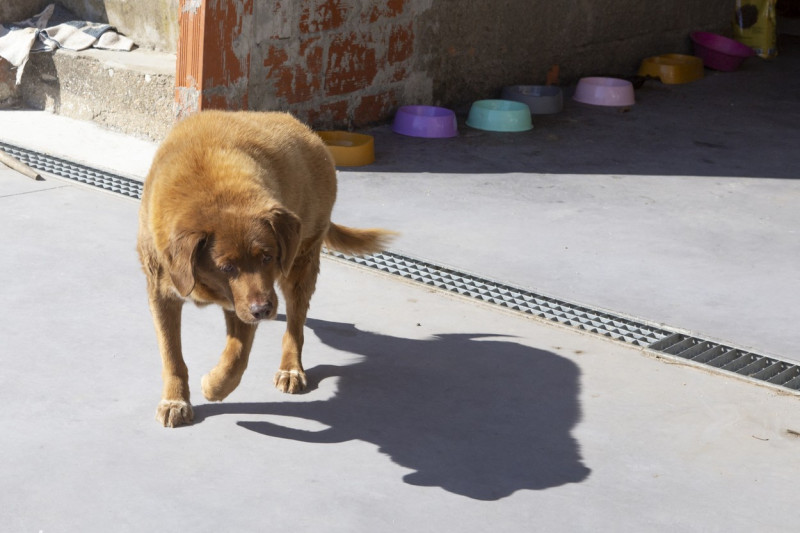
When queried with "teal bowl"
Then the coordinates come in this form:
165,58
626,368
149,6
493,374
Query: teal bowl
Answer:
499,115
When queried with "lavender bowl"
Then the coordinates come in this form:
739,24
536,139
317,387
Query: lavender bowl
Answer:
604,91
425,121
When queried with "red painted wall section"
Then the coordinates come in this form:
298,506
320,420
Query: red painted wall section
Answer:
189,64
213,60
352,63
333,63
401,43
226,53
323,16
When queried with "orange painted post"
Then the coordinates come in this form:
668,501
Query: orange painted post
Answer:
213,66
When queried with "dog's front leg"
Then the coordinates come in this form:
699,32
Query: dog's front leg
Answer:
297,288
225,377
291,377
174,408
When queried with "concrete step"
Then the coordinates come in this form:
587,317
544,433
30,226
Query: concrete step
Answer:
129,92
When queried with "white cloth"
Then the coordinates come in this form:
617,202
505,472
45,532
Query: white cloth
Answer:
55,27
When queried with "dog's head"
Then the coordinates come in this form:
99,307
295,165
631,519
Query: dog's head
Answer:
234,260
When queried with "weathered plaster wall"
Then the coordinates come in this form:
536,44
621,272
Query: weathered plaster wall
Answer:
352,62
345,63
337,61
150,23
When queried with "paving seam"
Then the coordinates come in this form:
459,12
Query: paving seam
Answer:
664,341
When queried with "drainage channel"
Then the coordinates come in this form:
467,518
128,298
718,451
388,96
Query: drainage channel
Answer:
75,171
659,339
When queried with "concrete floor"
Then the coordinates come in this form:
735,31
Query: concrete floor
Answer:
427,411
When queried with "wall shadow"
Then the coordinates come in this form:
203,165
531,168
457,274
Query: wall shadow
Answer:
728,124
475,414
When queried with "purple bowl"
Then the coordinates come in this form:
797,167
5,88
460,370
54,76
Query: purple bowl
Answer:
718,52
425,121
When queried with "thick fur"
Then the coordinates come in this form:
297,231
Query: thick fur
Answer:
234,203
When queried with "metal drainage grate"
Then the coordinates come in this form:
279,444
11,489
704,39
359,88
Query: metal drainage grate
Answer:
706,353
743,363
75,171
514,298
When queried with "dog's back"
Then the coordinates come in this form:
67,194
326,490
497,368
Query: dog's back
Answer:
247,157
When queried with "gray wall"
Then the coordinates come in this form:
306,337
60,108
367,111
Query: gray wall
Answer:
474,51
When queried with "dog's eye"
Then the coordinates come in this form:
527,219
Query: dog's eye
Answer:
266,258
227,268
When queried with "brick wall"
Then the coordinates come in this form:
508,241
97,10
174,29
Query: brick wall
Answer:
336,63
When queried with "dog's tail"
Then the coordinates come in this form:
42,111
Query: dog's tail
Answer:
356,241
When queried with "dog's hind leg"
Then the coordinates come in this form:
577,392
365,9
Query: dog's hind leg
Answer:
174,408
225,377
297,287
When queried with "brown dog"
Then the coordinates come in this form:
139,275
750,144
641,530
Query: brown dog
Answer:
234,202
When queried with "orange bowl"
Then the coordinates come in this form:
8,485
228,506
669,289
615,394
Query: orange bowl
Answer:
672,68
349,149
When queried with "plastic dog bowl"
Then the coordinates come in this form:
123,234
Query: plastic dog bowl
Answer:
425,121
604,91
499,115
718,52
672,68
349,149
541,99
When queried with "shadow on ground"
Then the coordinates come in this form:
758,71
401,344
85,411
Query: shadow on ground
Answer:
477,415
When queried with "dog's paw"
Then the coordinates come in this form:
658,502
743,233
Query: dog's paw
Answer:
291,381
174,413
215,389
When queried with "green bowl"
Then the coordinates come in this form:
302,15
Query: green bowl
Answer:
499,115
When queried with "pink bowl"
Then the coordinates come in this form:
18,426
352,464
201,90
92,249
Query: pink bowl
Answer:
425,121
604,91
718,52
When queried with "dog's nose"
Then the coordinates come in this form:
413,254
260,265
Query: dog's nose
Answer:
260,311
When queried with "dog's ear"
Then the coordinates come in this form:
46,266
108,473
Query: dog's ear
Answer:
286,226
181,256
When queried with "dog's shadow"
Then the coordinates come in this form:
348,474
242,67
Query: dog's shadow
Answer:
479,418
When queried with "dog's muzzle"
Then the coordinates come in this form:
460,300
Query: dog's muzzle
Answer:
261,311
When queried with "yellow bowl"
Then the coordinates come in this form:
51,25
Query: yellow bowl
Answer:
672,68
349,149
